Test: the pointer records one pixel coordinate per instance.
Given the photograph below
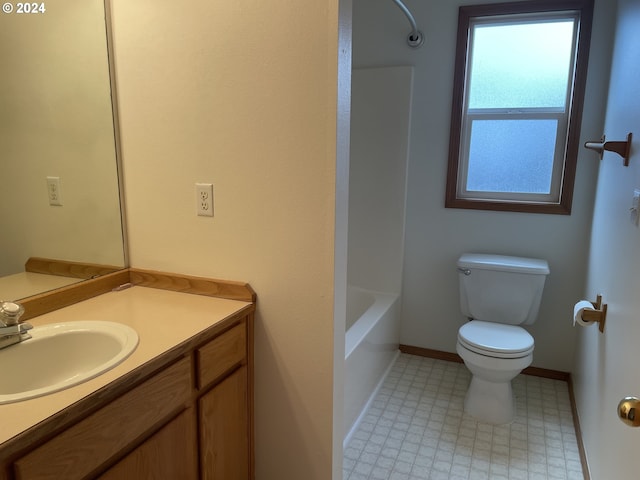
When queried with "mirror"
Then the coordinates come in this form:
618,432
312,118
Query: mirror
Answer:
59,198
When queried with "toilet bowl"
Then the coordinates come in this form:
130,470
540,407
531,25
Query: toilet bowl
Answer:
498,294
494,354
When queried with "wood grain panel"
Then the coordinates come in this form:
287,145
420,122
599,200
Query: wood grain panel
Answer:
63,268
224,430
250,394
198,285
86,446
170,453
220,354
65,296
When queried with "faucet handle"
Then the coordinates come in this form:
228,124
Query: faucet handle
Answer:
10,313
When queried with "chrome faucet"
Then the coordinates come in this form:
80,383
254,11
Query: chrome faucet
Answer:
11,329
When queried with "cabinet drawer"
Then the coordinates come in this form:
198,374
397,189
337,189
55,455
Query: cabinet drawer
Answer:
82,448
221,353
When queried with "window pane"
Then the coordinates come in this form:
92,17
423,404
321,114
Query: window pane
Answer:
511,156
520,66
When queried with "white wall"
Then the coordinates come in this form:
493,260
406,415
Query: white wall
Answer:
436,236
244,95
380,116
605,369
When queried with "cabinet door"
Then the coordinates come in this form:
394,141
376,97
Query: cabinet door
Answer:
224,429
92,443
169,453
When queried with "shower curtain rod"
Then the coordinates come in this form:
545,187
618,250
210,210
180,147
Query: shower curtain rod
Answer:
415,38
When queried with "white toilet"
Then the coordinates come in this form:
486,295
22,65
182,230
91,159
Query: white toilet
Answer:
498,293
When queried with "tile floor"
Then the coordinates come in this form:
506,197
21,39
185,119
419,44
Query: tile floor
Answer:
416,429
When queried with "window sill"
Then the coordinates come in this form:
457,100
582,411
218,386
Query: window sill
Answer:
521,207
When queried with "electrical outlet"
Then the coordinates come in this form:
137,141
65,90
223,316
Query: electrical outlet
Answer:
53,191
204,199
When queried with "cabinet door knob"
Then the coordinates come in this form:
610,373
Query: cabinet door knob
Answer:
629,411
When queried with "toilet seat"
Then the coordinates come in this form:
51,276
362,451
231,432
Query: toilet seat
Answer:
495,339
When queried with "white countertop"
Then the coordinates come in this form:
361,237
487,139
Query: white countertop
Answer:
162,318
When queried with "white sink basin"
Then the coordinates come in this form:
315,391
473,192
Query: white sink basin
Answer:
61,355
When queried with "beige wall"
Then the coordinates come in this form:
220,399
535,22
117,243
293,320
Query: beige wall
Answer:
55,120
243,95
605,369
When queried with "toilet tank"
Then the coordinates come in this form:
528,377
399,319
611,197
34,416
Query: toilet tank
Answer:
501,289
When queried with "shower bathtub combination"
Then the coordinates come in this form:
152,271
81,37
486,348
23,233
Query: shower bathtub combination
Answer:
371,347
380,126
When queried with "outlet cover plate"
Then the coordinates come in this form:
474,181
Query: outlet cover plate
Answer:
53,191
204,199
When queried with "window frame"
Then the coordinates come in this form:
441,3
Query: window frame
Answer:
559,202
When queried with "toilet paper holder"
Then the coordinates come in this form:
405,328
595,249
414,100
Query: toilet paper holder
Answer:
598,315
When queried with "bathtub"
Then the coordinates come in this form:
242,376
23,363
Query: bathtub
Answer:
371,347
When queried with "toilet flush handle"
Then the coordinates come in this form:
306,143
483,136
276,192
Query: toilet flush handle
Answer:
466,271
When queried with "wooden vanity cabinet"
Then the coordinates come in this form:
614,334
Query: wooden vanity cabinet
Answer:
224,407
189,420
169,453
224,429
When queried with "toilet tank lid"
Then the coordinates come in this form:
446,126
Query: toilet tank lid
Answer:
503,263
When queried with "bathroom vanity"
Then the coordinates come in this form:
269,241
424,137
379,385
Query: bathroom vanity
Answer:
180,406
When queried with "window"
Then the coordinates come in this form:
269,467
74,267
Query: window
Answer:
518,94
